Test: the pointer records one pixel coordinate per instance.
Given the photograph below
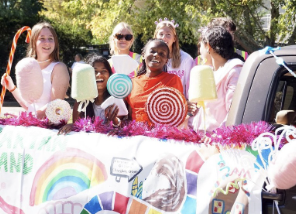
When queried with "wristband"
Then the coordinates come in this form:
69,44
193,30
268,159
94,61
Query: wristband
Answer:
119,123
12,89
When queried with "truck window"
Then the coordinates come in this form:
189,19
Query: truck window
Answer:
285,96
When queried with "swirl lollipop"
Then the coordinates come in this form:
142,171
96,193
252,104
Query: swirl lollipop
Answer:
166,106
119,85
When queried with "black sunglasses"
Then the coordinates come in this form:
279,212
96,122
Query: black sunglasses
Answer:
128,37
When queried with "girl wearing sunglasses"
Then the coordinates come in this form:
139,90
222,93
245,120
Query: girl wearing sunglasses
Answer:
120,42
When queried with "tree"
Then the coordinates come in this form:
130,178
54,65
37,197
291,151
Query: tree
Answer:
15,14
100,17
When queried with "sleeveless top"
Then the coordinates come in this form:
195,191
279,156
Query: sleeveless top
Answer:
46,95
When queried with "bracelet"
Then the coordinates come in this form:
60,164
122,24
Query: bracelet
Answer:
119,123
12,90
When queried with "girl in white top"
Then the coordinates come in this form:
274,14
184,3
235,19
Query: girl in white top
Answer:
180,62
120,42
44,48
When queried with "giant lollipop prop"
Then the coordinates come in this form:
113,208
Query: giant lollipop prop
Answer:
166,106
202,86
120,85
11,55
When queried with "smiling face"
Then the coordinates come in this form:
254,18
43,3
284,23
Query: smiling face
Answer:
122,45
45,44
156,56
102,75
167,35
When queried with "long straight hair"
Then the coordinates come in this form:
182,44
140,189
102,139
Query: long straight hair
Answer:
31,50
176,55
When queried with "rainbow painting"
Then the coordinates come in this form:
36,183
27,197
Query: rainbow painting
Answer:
65,174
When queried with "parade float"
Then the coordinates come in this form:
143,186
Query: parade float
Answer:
143,168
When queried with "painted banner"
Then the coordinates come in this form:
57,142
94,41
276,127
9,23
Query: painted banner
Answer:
88,173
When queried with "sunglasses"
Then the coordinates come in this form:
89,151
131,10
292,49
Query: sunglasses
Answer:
128,37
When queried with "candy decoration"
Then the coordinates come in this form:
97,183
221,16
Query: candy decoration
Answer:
166,106
282,170
11,55
58,110
119,85
29,79
84,86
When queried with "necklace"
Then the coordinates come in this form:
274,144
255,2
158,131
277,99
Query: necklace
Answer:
43,61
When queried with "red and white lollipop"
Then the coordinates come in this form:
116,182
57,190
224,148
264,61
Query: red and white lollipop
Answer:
167,106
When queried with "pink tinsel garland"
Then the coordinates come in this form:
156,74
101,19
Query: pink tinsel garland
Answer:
231,135
240,134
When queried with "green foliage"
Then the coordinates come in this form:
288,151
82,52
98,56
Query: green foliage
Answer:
15,14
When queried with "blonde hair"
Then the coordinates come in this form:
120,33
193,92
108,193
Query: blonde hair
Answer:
31,50
175,56
117,28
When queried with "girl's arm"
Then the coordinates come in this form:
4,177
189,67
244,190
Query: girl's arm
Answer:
7,82
59,85
68,127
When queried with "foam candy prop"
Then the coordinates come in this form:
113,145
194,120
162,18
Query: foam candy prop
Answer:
280,165
202,86
124,64
167,106
119,102
11,55
58,110
282,170
119,85
84,87
29,79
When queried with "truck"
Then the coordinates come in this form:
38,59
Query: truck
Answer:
264,88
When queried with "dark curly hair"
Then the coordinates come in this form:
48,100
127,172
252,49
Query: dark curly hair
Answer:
143,67
91,59
220,41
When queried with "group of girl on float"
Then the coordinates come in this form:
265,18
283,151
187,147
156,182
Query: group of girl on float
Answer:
162,63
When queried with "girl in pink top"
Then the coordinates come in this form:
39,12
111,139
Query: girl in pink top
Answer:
217,46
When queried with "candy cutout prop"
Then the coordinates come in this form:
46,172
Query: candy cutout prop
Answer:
119,85
84,87
124,64
58,110
167,106
29,79
282,171
11,55
202,86
118,102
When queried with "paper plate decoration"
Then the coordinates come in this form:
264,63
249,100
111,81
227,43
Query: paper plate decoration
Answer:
119,102
124,64
166,106
119,85
58,110
29,79
84,87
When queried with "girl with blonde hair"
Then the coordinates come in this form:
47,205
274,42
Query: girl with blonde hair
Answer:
120,42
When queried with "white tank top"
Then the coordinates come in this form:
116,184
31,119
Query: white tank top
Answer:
46,95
